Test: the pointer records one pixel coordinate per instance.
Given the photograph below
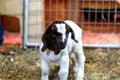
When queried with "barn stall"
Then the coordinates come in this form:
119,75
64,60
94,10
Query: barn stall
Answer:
99,19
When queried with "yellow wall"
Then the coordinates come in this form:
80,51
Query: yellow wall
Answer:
12,7
15,8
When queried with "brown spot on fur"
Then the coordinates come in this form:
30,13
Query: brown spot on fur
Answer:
48,51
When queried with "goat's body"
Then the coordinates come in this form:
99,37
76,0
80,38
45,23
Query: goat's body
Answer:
72,50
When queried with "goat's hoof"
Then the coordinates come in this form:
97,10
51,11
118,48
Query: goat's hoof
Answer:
80,78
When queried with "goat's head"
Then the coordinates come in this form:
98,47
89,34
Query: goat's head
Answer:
55,37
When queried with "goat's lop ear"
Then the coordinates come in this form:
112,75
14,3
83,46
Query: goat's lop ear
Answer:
69,29
45,40
46,35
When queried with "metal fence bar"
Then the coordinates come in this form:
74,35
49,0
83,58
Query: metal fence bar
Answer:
25,26
102,45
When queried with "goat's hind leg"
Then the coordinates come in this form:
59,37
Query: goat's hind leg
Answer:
74,64
81,62
78,50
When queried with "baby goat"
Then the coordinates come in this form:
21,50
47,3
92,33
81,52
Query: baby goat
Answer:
60,42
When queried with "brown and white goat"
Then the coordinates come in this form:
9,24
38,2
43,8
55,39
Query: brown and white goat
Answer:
60,42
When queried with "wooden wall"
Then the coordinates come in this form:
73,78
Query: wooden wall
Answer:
54,10
60,10
101,4
102,26
71,9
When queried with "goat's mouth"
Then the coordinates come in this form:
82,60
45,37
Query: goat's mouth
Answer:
57,45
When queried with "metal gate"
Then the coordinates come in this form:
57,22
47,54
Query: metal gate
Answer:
33,22
99,19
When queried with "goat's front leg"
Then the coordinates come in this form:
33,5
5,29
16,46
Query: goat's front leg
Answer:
44,69
81,62
64,66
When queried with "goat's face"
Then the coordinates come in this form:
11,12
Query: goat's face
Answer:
55,37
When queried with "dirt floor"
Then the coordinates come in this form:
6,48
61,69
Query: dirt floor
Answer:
101,64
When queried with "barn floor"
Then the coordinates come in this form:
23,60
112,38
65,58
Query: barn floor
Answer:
101,64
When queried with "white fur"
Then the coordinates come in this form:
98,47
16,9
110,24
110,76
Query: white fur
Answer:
61,29
72,50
